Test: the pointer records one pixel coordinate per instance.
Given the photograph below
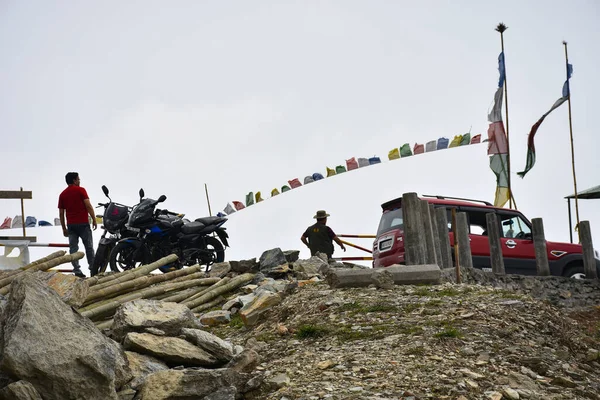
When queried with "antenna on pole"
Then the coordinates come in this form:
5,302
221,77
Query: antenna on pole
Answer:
207,199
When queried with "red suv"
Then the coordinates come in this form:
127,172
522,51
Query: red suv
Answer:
565,259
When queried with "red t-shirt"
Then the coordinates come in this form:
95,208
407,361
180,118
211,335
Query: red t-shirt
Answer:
71,199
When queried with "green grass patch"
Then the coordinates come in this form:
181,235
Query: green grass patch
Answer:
353,306
310,331
449,332
236,322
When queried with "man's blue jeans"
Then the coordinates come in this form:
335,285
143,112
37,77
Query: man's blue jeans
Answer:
84,232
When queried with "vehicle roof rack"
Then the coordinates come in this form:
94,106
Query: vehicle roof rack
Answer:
487,203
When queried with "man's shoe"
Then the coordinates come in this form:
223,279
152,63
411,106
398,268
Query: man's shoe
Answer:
78,273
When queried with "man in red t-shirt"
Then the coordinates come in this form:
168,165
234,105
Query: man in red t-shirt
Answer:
75,203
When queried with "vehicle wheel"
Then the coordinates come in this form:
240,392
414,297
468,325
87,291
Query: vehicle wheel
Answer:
123,257
214,253
575,272
100,260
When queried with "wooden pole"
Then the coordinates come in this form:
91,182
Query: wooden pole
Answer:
207,199
23,214
414,235
572,147
501,28
464,245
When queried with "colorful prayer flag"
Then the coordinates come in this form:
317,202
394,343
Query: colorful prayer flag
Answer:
530,144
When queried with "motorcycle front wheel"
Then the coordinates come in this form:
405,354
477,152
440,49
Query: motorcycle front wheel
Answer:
126,256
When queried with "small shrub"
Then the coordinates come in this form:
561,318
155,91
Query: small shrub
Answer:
309,331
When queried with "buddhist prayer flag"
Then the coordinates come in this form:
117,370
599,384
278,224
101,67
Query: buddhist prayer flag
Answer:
530,145
498,142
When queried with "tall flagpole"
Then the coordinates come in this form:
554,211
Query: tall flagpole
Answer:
501,28
571,131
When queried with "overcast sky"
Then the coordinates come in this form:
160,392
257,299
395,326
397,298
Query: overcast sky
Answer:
244,96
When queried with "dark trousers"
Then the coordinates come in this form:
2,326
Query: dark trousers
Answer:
83,231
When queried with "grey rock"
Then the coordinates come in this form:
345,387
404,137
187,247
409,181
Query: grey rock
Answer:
219,269
310,267
245,361
244,266
141,366
382,279
54,348
191,383
217,317
173,351
21,390
214,345
291,255
139,315
272,259
226,393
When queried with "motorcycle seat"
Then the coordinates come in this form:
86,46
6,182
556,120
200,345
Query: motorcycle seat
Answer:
192,227
210,220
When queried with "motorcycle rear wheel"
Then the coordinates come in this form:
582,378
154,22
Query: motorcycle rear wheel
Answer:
100,259
216,248
123,257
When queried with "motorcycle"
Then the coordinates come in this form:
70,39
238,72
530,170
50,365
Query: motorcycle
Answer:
162,232
113,223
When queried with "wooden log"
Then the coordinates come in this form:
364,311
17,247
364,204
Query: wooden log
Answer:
194,292
539,245
104,324
52,256
464,245
401,274
232,284
493,231
414,235
134,273
210,304
41,267
183,273
195,275
589,261
442,233
107,307
221,282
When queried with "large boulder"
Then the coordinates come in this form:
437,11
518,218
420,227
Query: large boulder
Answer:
219,270
311,267
252,312
271,259
71,289
291,255
172,350
195,384
61,353
140,315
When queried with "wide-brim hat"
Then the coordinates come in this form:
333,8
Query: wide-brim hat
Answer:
321,214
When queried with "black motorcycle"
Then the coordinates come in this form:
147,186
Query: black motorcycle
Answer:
113,223
162,232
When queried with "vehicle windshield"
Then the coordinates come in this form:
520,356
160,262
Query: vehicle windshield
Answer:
390,220
513,226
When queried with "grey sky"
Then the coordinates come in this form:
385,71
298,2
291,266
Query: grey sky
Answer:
246,95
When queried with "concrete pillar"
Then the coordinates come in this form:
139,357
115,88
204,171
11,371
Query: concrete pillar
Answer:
430,257
414,235
539,244
589,262
441,219
464,245
496,258
436,237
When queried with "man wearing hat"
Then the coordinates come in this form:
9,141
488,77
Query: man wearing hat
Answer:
319,237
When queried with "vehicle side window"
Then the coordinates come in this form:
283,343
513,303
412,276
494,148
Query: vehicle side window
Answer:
513,226
477,222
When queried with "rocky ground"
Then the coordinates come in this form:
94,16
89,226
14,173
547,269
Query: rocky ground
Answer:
445,341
